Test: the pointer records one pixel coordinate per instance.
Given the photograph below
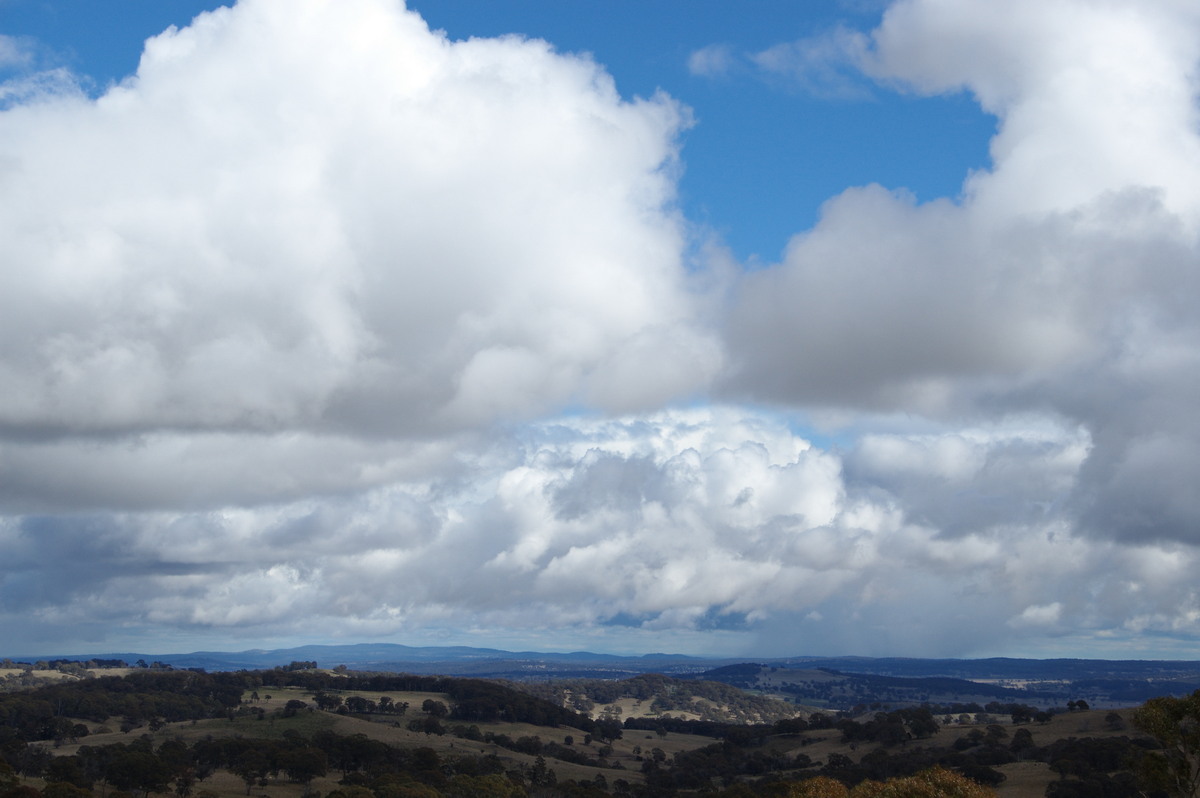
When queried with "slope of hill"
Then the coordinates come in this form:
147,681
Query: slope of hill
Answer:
658,696
296,732
1100,684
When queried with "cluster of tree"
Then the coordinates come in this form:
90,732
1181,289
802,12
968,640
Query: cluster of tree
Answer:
1175,724
140,769
1020,713
66,665
739,732
369,769
24,676
359,705
52,712
768,772
1164,763
839,690
712,700
473,700
720,762
1101,767
298,665
533,745
933,783
891,728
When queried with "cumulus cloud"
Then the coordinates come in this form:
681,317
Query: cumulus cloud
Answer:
405,234
1055,286
1093,98
715,521
293,315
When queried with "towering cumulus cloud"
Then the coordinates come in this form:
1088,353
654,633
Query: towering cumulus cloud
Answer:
1064,280
324,216
303,250
322,324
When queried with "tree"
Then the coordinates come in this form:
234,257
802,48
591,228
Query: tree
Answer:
540,775
608,730
304,764
818,787
936,782
68,769
8,778
1175,723
250,767
1022,741
293,706
327,701
62,789
435,708
427,725
132,770
489,786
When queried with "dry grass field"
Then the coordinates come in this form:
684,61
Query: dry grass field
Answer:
1024,779
39,674
393,731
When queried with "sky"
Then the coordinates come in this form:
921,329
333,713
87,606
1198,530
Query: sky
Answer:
755,330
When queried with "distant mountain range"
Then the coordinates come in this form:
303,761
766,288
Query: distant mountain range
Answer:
530,665
444,660
833,682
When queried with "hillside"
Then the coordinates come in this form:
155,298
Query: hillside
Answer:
303,731
1101,684
658,696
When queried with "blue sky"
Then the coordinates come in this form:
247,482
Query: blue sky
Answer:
764,153
825,328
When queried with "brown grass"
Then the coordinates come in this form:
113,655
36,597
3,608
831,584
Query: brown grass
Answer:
1024,779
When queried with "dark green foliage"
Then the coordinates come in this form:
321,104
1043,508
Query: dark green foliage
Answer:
1175,724
755,756
473,700
41,714
722,703
1120,785
891,728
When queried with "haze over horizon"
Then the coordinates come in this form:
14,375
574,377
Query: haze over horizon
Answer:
850,327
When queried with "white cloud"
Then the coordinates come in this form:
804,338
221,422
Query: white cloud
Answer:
678,523
828,64
1092,97
290,317
405,234
825,65
1046,615
14,52
712,61
1054,287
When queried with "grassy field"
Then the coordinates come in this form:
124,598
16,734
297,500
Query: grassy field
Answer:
1024,779
390,729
